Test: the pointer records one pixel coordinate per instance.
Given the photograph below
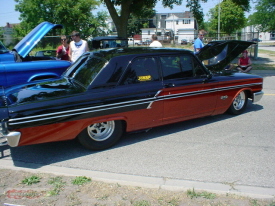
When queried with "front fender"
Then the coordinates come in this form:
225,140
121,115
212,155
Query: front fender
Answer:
4,114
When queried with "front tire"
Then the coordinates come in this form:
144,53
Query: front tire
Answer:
239,104
101,135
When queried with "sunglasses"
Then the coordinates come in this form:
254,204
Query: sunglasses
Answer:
63,39
201,34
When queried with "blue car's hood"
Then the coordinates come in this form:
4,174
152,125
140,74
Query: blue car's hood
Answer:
24,47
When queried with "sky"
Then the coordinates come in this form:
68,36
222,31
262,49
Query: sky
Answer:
8,13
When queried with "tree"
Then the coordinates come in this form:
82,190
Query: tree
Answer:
264,16
232,17
74,15
138,21
128,7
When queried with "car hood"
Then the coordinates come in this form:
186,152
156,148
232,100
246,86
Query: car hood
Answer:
217,54
24,47
45,90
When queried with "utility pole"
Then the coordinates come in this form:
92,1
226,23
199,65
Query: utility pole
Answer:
219,19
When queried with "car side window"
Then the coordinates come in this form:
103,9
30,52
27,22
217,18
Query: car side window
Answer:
171,67
141,70
198,71
186,65
183,66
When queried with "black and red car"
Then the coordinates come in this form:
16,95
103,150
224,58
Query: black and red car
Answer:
111,91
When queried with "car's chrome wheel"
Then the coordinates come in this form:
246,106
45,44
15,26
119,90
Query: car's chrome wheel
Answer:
239,103
101,135
101,131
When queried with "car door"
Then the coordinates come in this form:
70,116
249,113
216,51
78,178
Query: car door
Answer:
187,92
139,86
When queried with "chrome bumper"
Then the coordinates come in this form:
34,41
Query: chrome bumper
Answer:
9,138
257,96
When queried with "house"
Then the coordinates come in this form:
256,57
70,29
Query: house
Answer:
251,32
172,27
7,34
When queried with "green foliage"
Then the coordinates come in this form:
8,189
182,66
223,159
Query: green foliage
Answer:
142,203
98,25
193,194
120,11
232,17
73,15
81,180
1,32
264,16
196,10
139,20
136,7
58,184
31,180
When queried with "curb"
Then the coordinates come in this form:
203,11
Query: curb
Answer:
147,182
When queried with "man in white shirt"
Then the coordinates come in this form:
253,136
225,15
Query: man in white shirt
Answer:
77,46
155,42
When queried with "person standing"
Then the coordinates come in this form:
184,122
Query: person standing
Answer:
198,44
155,42
77,47
63,50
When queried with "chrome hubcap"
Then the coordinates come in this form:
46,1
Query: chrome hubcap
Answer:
239,101
101,131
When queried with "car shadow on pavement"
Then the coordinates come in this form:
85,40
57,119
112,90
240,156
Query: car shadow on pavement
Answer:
36,156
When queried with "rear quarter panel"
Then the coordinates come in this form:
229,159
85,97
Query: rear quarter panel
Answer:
230,86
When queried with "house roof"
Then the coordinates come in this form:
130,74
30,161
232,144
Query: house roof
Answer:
186,14
8,25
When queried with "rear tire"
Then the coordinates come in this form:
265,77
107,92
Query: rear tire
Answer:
100,136
239,104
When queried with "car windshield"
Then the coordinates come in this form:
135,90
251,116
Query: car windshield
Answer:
3,49
217,58
86,69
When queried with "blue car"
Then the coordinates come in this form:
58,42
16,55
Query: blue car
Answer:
18,67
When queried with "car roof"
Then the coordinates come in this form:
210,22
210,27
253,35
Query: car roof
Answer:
139,51
225,50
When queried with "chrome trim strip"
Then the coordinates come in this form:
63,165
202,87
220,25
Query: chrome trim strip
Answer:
70,114
87,108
